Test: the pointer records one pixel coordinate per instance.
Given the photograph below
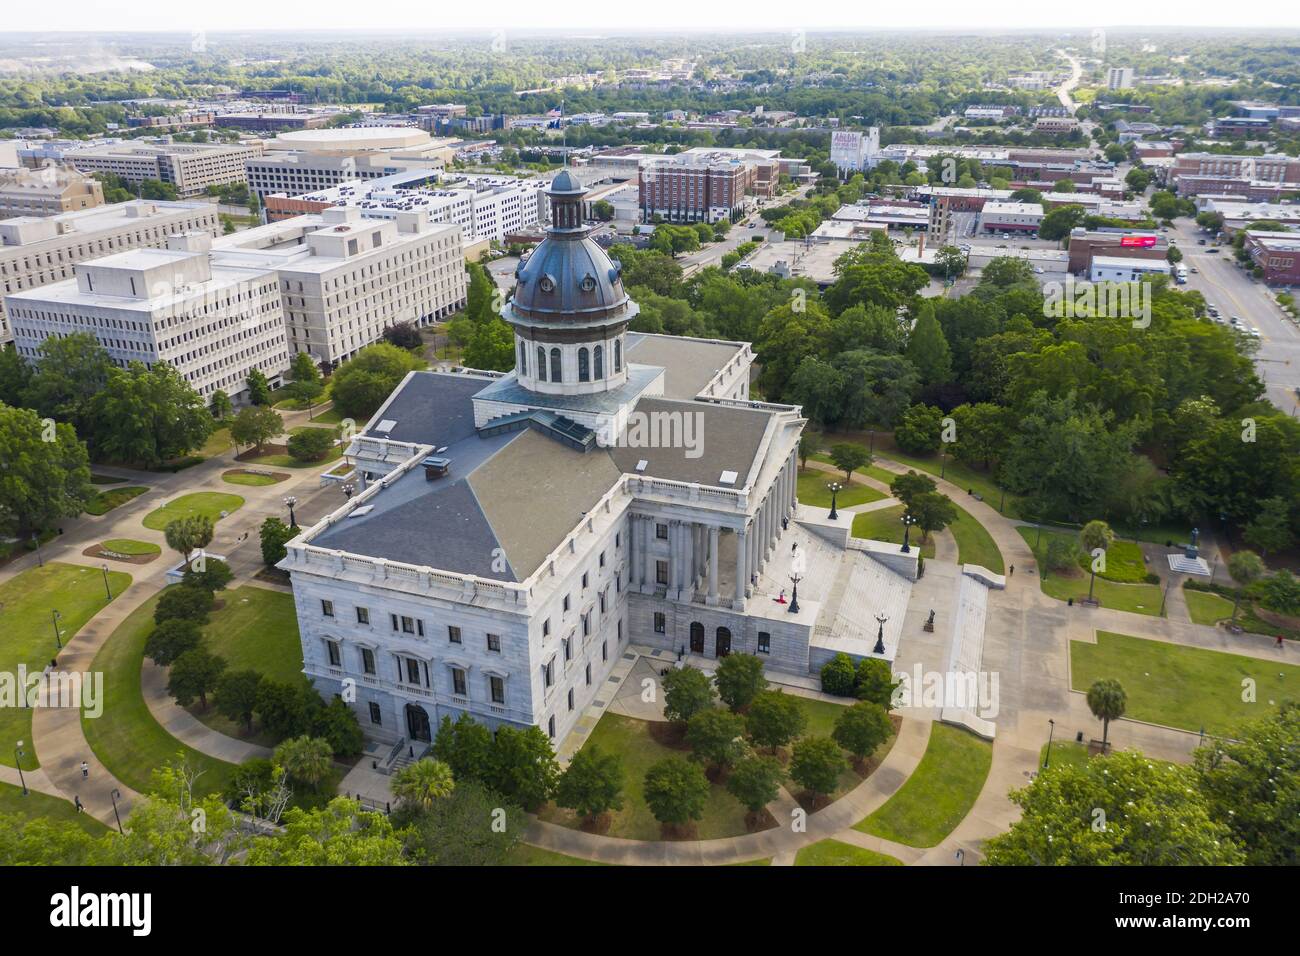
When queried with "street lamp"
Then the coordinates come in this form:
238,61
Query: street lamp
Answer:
1048,757
116,795
18,761
289,502
834,488
54,617
881,620
36,540
798,565
908,521
349,489
108,592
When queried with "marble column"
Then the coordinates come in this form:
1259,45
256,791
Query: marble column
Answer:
713,564
742,570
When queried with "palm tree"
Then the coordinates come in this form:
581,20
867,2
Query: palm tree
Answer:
1095,535
1107,701
1246,567
423,782
307,759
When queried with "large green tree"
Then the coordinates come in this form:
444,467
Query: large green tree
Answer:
149,415
45,473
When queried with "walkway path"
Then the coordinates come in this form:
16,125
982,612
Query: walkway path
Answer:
781,841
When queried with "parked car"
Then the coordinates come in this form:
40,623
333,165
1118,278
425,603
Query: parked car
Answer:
1200,242
1213,249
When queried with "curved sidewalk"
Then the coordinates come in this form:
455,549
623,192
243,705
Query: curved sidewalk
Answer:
897,766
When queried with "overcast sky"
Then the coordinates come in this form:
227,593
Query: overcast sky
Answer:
730,15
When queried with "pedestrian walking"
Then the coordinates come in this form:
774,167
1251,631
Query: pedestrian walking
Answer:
1279,641
1013,569
85,769
76,800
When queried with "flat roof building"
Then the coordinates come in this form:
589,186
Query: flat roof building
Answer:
1276,254
190,167
345,277
47,191
36,251
214,323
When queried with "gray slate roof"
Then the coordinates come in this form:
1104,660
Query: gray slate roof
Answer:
689,364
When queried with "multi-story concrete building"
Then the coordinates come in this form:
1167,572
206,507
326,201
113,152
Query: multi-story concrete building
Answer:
47,191
37,251
485,207
272,121
515,536
291,175
1119,78
345,278
1202,170
190,167
213,323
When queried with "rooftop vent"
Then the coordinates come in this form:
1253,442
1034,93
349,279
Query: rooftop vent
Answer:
728,478
363,510
387,425
641,466
435,467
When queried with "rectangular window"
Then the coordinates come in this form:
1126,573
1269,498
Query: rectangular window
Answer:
570,698
408,625
494,643
566,604
548,673
327,608
661,623
588,673
367,660
412,671
661,531
764,642
661,572
568,655
604,650
550,727
458,681
333,648
602,559
363,615
453,634
546,628
375,716
497,686
419,627
393,618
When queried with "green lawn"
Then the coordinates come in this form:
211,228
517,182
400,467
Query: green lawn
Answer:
812,491
130,546
126,738
974,544
1137,598
630,738
835,853
873,471
1187,687
526,855
106,501
218,443
36,805
284,460
938,794
961,475
253,629
1207,608
886,524
27,632
209,503
330,416
1065,753
252,481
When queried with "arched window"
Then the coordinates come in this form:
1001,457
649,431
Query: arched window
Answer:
523,359
584,368
598,353
556,374
618,355
541,363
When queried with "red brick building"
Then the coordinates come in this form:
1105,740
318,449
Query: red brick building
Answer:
1277,254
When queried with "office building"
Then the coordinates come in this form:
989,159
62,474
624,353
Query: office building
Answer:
48,191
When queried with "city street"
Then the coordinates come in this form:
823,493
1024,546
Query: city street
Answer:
1227,286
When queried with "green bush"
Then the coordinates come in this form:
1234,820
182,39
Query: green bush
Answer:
311,444
839,676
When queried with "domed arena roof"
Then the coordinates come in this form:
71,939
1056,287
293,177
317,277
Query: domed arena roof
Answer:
568,279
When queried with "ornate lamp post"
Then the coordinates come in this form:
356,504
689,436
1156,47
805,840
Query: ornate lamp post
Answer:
108,592
289,502
834,487
798,564
54,618
908,521
349,489
881,619
116,795
1047,758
